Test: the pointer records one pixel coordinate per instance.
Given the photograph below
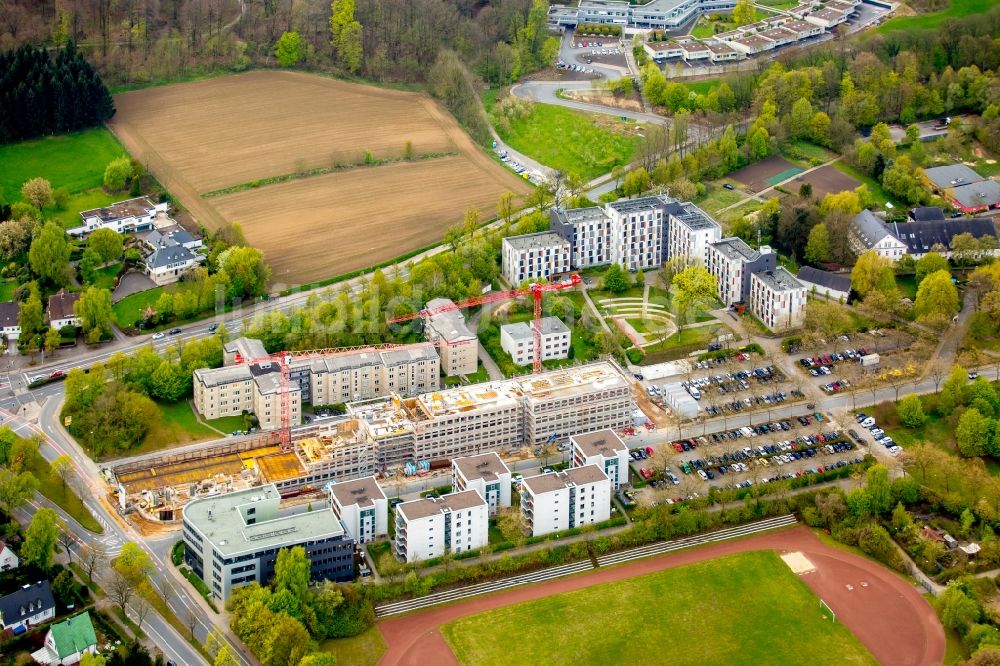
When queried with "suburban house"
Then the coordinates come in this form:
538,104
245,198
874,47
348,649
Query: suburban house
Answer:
534,257
362,508
965,189
870,233
722,51
694,50
605,449
8,558
170,252
487,475
562,500
125,217
923,237
518,340
660,51
752,44
457,345
430,527
832,285
777,299
68,641
10,322
29,606
731,261
61,312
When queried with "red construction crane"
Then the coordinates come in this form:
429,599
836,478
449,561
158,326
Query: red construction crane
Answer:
283,360
536,289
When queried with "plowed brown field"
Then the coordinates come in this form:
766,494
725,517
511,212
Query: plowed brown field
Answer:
208,135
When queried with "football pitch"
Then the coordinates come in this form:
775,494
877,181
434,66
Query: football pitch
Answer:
747,608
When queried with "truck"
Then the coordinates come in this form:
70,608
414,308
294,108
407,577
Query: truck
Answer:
869,360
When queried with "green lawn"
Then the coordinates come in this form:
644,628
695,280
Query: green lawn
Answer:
808,154
52,487
682,343
177,425
104,278
701,87
228,424
779,4
74,161
128,311
584,144
7,289
879,195
702,613
956,9
81,201
365,649
907,285
717,198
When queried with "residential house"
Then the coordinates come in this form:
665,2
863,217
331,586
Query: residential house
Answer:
124,217
752,44
926,214
870,233
731,261
68,641
832,285
27,607
777,299
660,51
518,340
560,501
456,344
430,527
695,51
605,449
922,237
722,52
780,36
534,257
169,253
8,558
10,322
487,475
61,312
362,508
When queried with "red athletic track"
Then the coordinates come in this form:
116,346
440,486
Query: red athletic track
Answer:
889,615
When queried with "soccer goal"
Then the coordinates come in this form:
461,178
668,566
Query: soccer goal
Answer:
822,605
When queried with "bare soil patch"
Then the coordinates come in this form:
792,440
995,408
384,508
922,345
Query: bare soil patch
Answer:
826,180
755,176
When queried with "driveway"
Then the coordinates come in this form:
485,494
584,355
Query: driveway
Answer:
132,283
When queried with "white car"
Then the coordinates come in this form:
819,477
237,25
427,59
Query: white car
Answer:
158,336
701,473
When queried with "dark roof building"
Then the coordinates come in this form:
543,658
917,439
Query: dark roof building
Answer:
27,606
9,314
920,237
831,284
61,306
926,214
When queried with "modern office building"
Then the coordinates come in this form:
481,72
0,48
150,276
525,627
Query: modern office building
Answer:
430,527
457,345
234,539
533,257
731,261
668,14
361,507
487,475
518,340
605,449
562,500
778,299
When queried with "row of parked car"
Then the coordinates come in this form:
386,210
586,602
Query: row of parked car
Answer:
574,68
837,386
775,398
868,422
825,360
781,453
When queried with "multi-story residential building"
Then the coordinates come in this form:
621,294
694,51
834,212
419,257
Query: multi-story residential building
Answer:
61,311
27,607
731,261
453,523
325,380
487,475
125,217
234,539
636,233
605,449
534,257
457,345
690,231
362,508
562,500
518,340
778,299
867,232
10,322
588,232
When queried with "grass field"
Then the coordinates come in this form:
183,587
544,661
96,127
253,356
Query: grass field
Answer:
365,649
573,142
52,487
956,9
717,198
697,614
227,424
879,196
907,285
177,425
682,343
7,289
74,161
104,278
128,311
81,201
228,132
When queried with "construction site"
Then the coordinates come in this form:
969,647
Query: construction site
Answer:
387,437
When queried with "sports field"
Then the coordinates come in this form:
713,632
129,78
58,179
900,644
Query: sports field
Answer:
239,133
746,608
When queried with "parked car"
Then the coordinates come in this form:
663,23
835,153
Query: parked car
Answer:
175,331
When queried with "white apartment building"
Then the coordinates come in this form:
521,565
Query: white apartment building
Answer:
518,340
731,261
456,344
690,231
654,14
778,299
453,523
487,475
125,217
361,507
534,257
606,450
588,232
636,232
562,500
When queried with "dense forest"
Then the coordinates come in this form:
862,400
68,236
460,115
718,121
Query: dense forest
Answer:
64,93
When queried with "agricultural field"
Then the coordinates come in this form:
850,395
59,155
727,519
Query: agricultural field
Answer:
747,608
281,151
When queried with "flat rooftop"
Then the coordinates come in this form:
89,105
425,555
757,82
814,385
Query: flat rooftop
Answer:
137,207
605,443
640,204
424,508
736,248
486,466
219,519
695,218
449,325
539,241
663,46
553,481
524,331
779,280
362,492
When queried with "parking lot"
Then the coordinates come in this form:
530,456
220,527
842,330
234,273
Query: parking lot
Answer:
733,391
744,457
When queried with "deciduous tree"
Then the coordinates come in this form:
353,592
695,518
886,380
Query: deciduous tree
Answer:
872,272
94,310
37,192
932,262
289,49
49,254
117,174
818,246
40,539
107,243
936,295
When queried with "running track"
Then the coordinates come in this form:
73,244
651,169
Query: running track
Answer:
887,614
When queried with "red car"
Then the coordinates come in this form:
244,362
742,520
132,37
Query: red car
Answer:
629,431
678,447
650,425
645,473
649,450
57,374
